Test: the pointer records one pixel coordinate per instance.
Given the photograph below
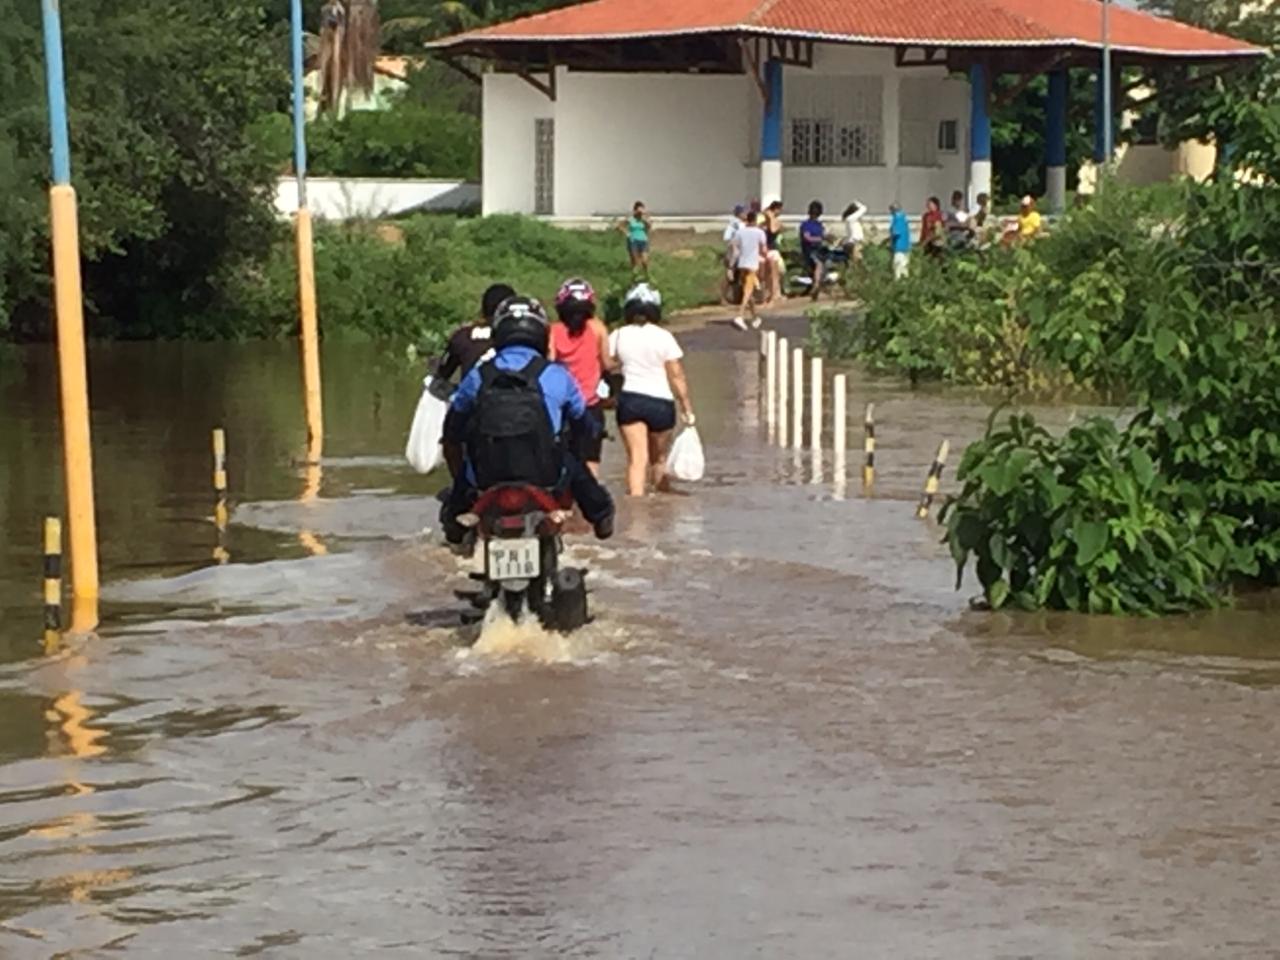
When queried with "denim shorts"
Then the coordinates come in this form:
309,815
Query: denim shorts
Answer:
637,247
655,413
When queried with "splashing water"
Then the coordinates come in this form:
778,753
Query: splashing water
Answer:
501,638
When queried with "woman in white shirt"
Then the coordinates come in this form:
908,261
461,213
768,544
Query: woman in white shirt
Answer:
653,382
854,234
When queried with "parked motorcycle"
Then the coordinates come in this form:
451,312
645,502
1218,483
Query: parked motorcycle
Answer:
519,527
800,280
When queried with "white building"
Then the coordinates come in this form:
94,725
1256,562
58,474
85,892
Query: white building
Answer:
695,105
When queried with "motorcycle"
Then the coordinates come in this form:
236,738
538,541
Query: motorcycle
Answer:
800,280
520,528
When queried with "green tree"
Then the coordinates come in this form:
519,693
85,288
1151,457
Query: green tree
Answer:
162,96
1238,109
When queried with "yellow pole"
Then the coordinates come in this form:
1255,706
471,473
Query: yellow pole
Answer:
934,479
221,515
74,382
869,448
52,583
310,335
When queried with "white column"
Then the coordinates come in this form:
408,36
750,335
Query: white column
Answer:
770,181
797,395
1056,188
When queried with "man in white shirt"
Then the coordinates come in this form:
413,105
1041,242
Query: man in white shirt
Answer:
749,250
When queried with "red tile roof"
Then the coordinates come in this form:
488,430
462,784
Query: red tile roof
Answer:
943,23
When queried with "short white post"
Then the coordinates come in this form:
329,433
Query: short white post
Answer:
797,393
771,382
815,403
783,367
840,429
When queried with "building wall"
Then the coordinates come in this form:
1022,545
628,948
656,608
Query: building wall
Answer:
689,144
677,142
507,167
364,198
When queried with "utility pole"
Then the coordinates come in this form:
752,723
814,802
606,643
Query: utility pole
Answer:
309,328
72,362
1108,132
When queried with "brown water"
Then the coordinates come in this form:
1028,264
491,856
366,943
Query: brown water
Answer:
784,736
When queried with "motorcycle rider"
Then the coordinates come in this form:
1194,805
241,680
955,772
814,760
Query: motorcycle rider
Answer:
508,419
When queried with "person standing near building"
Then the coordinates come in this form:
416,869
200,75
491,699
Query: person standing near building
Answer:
750,251
933,237
775,265
900,242
636,228
854,233
960,229
1029,221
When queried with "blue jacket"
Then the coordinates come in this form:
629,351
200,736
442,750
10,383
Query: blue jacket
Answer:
560,393
900,233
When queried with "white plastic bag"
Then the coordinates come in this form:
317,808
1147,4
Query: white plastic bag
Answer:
423,448
686,460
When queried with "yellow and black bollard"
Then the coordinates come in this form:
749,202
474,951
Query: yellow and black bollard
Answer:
221,515
869,448
52,583
935,477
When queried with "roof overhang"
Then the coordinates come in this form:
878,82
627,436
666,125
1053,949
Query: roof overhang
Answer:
720,50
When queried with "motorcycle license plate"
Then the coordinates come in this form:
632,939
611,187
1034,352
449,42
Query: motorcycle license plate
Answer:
514,559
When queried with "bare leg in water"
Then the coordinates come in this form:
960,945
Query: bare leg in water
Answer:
635,437
659,447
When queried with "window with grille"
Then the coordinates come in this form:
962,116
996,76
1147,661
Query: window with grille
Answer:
948,136
544,167
834,121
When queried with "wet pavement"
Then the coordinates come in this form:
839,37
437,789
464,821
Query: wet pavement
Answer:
785,735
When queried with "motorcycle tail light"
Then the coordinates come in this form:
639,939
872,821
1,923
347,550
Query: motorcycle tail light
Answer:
512,500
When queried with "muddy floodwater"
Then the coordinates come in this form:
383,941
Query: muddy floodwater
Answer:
785,735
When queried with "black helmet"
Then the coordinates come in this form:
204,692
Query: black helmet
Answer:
521,321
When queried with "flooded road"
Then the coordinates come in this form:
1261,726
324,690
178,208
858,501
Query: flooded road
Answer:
784,736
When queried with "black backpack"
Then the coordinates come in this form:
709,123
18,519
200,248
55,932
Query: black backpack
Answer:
509,436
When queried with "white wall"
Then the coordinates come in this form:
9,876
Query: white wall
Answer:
336,198
510,108
689,144
677,142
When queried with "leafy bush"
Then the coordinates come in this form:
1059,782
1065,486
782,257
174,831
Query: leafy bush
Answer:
418,279
1084,523
1168,512
409,140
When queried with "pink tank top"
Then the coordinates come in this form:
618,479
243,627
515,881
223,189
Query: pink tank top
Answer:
581,355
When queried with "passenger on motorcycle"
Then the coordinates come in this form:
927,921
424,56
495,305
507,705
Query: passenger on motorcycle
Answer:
509,419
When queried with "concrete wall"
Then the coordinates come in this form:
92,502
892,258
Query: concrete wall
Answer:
510,108
332,198
677,142
689,144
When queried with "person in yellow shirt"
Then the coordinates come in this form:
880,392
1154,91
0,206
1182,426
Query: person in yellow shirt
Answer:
1029,225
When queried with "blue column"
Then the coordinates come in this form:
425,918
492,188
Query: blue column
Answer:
771,129
54,79
1099,121
980,115
979,131
299,103
1056,120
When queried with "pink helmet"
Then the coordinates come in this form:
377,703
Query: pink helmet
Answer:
575,291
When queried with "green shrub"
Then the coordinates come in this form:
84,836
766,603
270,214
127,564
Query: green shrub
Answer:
409,140
417,286
1169,511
